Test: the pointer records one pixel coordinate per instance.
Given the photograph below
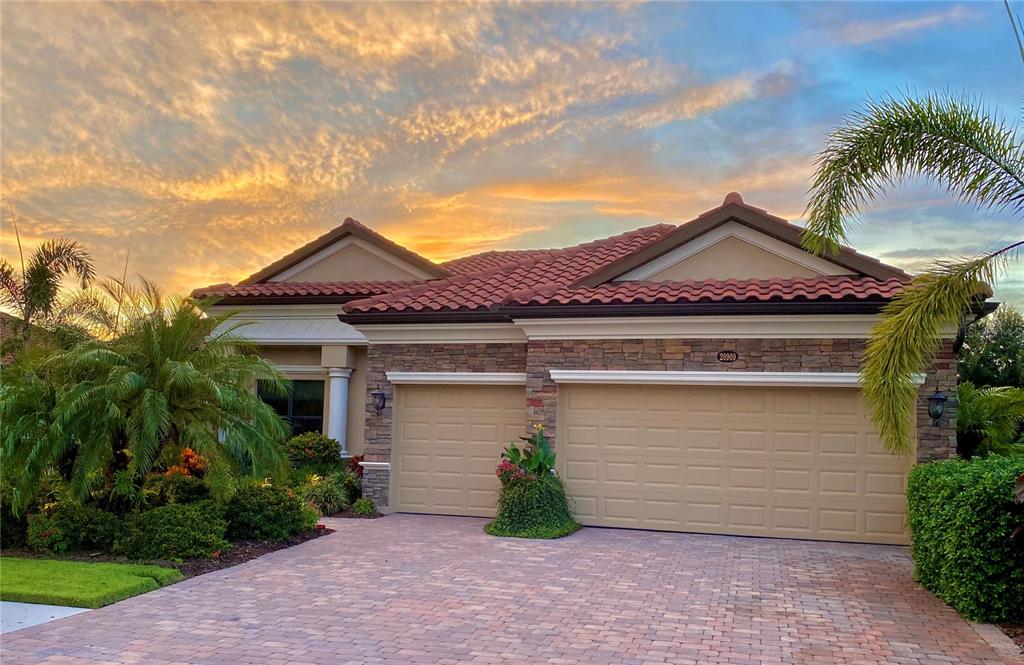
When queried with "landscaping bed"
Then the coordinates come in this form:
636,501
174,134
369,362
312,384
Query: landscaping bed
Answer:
239,552
1015,631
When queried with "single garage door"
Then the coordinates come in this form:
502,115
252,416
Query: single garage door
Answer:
783,462
448,439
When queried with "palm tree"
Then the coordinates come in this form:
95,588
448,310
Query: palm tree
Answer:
977,158
106,413
34,290
989,419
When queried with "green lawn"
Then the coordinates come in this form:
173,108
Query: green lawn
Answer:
76,583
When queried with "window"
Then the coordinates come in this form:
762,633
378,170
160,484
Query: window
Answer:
302,407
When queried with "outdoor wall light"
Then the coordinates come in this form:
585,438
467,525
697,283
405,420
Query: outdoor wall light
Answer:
937,406
380,398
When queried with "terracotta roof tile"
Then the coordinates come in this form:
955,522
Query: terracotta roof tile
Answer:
490,260
841,287
490,287
279,289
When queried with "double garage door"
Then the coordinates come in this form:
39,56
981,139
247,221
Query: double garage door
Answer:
782,462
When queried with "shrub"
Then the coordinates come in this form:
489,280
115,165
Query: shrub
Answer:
532,506
364,506
264,512
175,531
174,487
962,516
87,527
313,449
325,493
44,535
70,527
307,519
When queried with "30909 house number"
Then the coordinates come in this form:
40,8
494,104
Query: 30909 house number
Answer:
728,356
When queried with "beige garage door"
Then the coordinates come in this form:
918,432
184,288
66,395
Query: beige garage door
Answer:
447,442
784,462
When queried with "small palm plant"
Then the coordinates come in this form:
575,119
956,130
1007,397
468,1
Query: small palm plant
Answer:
108,412
34,290
977,158
989,420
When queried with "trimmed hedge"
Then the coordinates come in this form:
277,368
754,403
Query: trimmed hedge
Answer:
961,516
313,449
265,513
532,507
175,531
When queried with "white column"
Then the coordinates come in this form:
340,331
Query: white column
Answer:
337,409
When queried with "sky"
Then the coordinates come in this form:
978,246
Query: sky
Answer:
214,138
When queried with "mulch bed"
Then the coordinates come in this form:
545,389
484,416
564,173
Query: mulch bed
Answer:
348,513
240,552
1015,629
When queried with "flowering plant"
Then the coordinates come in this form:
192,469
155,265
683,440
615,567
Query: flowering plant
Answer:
534,459
507,471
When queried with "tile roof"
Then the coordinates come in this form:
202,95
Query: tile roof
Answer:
279,289
842,287
488,288
495,283
491,259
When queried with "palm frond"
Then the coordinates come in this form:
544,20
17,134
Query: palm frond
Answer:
11,291
974,155
910,333
61,257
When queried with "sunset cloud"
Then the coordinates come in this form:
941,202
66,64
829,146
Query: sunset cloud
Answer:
217,136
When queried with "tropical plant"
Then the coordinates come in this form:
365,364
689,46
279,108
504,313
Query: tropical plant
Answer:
989,420
536,457
34,290
325,493
364,507
977,158
109,412
993,350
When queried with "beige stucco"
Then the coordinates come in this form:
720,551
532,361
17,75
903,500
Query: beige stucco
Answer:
783,462
357,400
354,263
733,258
447,441
292,355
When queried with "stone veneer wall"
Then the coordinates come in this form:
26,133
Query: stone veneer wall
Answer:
755,355
383,358
537,357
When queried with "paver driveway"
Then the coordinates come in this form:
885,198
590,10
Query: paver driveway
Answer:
419,589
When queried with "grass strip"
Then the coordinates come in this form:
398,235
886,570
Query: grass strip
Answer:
78,583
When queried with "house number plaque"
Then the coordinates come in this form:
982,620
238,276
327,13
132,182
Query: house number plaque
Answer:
728,356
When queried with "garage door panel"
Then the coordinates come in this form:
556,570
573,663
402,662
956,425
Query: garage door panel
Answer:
790,462
448,440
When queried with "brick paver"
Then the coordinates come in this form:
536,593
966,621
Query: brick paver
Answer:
419,589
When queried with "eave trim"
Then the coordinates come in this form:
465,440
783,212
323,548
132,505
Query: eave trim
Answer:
458,378
699,378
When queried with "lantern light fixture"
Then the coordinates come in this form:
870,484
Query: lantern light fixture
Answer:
937,406
380,399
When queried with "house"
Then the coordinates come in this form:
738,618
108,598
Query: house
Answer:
700,377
